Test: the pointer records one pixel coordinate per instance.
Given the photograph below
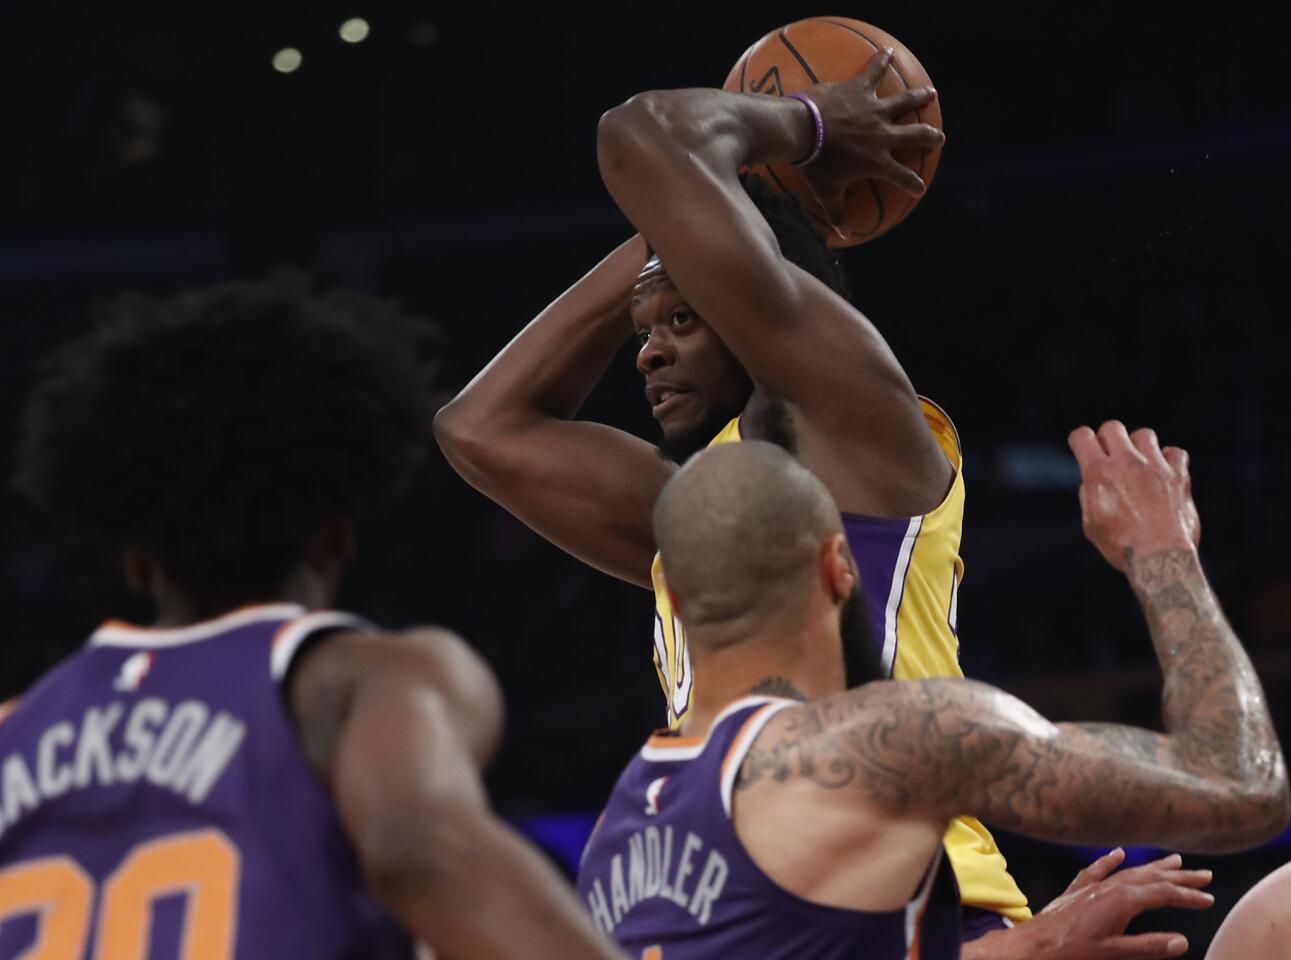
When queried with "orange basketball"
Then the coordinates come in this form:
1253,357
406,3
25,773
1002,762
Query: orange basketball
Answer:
831,50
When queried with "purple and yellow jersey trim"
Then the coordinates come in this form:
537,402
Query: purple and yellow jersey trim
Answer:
911,571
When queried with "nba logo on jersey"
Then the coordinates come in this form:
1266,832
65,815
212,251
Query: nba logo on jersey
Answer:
133,671
652,796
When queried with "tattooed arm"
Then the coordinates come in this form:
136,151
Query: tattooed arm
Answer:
1215,781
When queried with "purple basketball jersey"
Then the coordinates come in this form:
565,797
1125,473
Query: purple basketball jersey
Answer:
155,805
665,875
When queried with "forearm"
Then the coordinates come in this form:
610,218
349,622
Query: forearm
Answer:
493,897
996,945
431,851
1214,706
725,130
551,366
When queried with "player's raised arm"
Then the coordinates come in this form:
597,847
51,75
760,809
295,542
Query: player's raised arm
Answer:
511,432
1215,781
671,159
398,727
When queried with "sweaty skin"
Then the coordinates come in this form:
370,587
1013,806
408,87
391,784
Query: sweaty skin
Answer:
1260,924
397,727
843,799
745,313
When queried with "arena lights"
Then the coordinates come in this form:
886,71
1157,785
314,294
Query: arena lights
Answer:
355,30
287,60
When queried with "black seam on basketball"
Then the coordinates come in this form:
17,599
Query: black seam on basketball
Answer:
918,115
892,66
878,201
784,38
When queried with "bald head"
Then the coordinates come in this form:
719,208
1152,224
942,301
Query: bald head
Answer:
740,530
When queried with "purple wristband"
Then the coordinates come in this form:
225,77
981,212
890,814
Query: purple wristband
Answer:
818,120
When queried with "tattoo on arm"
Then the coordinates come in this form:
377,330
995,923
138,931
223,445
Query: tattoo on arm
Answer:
1216,780
1212,700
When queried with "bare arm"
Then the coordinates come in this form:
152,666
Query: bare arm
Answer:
396,728
1215,781
671,161
511,433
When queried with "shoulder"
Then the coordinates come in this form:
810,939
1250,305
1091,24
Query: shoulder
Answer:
1260,924
327,678
432,653
900,742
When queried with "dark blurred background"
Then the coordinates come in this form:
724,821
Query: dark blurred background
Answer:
1106,236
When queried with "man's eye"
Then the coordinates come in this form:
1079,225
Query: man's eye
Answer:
643,337
681,318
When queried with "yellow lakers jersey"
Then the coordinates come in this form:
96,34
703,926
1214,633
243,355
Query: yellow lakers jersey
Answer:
910,570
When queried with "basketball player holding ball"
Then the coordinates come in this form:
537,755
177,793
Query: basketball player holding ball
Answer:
745,333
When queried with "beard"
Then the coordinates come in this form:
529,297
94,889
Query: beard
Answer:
861,661
688,441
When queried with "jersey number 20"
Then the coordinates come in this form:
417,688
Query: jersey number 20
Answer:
204,865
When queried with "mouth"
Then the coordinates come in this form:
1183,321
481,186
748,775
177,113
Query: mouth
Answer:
666,400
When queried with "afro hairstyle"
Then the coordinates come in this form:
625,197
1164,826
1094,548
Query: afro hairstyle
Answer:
219,430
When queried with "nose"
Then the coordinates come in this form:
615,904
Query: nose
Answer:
658,352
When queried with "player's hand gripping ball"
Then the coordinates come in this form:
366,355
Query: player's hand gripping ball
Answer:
863,185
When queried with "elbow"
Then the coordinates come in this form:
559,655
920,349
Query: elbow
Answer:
624,132
619,125
1276,802
1269,799
463,436
449,426
1256,813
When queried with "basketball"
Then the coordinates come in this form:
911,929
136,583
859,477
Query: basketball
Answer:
831,50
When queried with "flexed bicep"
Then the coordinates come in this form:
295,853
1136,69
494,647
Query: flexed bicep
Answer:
586,487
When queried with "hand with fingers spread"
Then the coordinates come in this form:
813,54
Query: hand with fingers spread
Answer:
1135,498
1088,921
861,131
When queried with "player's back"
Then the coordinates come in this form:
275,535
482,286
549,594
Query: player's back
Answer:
154,803
910,569
666,875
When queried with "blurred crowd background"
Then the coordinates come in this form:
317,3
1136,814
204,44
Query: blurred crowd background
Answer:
1106,237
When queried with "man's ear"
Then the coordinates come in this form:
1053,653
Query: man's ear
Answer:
672,597
138,567
838,572
332,547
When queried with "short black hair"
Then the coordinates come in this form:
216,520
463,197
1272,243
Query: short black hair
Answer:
800,239
220,429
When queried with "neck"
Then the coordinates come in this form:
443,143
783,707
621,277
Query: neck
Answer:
179,608
778,661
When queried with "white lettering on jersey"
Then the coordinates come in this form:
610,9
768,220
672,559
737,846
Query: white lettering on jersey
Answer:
54,779
618,890
203,766
141,733
93,753
684,868
182,749
19,789
176,740
600,910
651,876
